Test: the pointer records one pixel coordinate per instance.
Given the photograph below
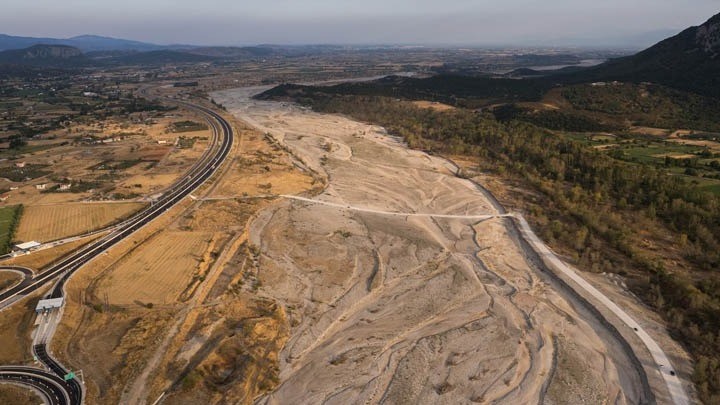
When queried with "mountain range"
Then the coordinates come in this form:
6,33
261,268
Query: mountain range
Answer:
86,43
45,55
688,61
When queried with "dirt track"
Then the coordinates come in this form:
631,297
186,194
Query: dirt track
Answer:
413,309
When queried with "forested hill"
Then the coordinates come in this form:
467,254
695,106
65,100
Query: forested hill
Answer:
688,61
44,55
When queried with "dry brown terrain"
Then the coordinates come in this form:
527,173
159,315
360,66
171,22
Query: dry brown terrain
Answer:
158,271
16,324
44,223
13,394
433,105
8,279
400,309
122,160
174,309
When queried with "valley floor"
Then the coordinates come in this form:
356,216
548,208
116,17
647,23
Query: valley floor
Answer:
413,309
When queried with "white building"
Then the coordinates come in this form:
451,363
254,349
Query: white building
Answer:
49,304
27,246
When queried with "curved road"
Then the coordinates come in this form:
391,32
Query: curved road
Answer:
27,274
52,387
197,176
664,365
51,384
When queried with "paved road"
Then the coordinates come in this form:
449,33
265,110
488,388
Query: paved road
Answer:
52,387
197,176
51,383
27,274
662,361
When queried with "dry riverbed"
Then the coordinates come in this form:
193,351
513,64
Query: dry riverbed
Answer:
411,309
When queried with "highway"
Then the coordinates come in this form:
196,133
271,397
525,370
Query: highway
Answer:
51,384
197,176
52,387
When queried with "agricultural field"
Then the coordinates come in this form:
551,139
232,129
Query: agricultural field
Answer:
158,271
44,223
697,162
8,222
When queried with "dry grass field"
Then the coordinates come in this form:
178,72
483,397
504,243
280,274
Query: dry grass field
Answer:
11,394
46,223
433,105
262,168
15,326
8,279
158,271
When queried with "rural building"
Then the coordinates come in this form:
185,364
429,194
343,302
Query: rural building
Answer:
27,246
41,186
4,197
20,164
64,187
49,304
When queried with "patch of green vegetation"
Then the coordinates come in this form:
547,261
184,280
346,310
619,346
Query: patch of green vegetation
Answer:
553,119
186,143
9,220
653,152
116,165
712,188
464,91
647,105
187,126
29,171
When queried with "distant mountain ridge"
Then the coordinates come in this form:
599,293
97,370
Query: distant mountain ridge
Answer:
688,61
44,55
86,43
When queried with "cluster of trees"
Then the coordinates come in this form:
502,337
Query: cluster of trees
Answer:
592,201
11,228
552,119
456,90
647,104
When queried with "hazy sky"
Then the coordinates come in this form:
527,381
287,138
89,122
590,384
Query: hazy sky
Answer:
234,22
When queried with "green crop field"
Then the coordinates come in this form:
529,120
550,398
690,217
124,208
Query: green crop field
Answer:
9,218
